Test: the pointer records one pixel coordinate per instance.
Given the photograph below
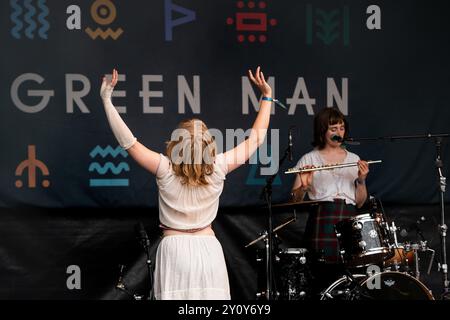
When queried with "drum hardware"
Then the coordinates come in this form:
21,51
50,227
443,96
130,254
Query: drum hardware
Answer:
328,167
405,257
438,139
394,229
431,260
268,292
285,285
351,291
263,235
442,226
292,276
423,244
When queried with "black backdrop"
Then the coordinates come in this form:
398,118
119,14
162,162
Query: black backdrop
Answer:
392,81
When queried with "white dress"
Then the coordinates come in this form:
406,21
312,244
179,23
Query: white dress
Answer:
190,267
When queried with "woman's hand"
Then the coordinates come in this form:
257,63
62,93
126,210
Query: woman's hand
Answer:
260,82
108,87
306,178
363,171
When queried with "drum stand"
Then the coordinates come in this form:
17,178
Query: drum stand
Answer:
442,226
424,247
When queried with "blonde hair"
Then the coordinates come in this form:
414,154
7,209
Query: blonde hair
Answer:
192,151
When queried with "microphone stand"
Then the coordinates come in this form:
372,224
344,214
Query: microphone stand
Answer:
122,287
442,183
267,194
146,245
145,242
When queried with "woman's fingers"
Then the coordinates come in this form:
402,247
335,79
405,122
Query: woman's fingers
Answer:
258,75
263,80
115,77
250,75
363,165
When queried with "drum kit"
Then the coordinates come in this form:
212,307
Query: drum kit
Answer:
376,265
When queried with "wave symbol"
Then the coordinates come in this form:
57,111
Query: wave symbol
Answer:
109,166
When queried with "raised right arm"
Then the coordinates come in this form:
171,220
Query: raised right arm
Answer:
145,157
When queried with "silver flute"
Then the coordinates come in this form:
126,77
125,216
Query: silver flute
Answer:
328,167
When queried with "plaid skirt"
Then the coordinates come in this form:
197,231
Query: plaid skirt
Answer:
320,235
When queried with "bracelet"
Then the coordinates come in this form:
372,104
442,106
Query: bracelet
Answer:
363,182
274,100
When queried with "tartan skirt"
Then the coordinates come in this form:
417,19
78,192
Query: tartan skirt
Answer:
320,235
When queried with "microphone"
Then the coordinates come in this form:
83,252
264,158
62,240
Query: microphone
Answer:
290,144
337,138
142,235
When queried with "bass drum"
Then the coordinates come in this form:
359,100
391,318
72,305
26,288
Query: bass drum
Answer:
388,285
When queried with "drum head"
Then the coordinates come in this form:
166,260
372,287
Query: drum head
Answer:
388,285
392,285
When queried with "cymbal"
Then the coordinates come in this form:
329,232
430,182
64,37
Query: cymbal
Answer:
264,235
298,204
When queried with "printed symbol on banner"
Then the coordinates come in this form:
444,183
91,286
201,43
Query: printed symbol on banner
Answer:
251,26
104,13
170,23
329,25
31,164
74,279
29,18
255,179
374,20
108,167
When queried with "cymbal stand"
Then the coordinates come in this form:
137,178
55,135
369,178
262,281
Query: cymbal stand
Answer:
442,226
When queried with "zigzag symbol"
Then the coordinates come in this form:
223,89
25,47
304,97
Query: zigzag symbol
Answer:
104,34
108,151
28,18
14,18
95,166
32,25
41,18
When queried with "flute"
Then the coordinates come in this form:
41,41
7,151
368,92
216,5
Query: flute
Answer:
328,167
